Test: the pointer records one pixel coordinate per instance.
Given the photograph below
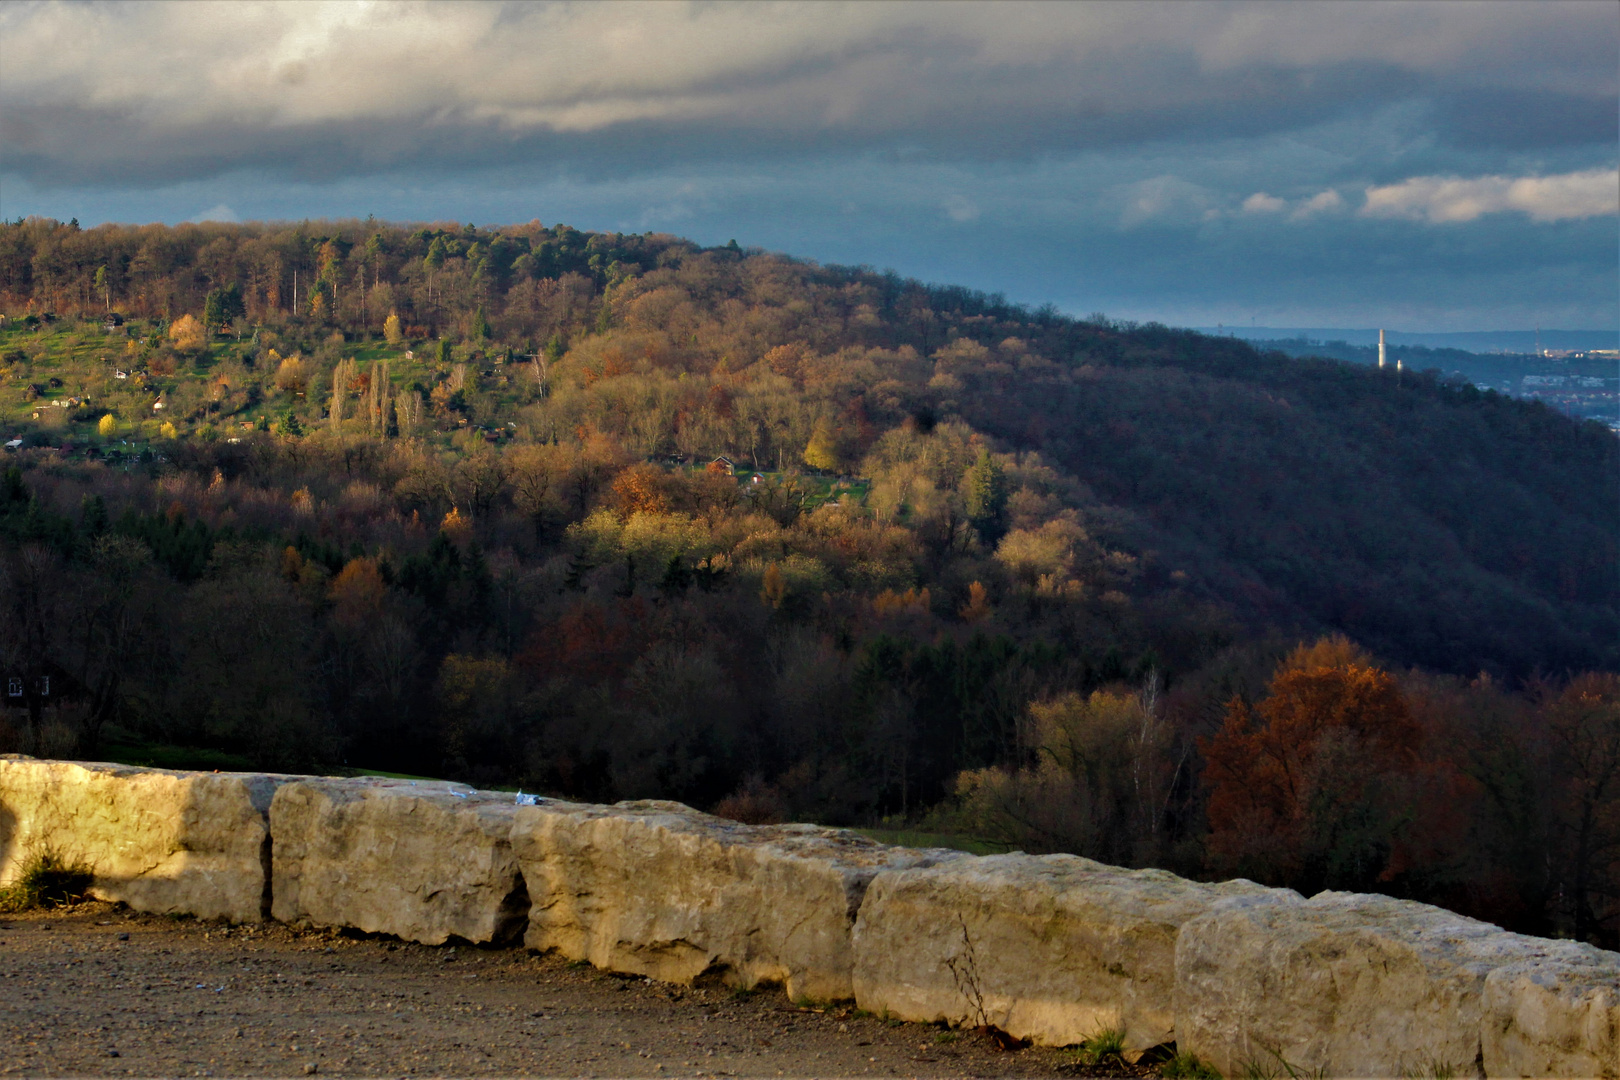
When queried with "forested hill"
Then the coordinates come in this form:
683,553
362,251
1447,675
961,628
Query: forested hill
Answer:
618,517
1436,525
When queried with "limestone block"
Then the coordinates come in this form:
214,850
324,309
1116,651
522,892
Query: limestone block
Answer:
158,840
659,889
1347,983
1053,948
1554,1012
426,861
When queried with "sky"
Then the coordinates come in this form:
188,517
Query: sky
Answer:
1421,166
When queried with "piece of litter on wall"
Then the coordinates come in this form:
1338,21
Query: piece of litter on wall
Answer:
527,800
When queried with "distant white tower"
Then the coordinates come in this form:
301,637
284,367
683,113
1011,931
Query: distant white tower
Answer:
1380,348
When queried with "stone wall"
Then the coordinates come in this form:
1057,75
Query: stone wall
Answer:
162,841
1051,948
423,861
659,889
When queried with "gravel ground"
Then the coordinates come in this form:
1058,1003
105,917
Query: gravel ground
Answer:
98,990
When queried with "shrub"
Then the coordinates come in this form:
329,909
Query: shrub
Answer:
1185,1066
49,879
1106,1047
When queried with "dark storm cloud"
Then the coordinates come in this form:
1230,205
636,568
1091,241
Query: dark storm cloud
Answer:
1514,119
159,92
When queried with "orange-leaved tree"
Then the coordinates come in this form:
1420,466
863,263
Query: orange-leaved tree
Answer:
1311,786
641,489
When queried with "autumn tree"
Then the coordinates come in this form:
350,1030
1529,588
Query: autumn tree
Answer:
822,450
642,489
379,400
977,608
1305,787
292,375
1097,784
188,334
406,413
476,480
537,474
345,373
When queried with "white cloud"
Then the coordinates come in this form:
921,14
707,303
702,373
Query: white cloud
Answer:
218,212
1323,202
1166,200
1447,199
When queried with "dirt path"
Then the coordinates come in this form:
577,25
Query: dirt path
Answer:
97,990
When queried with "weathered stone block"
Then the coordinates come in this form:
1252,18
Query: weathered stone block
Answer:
1553,1012
161,841
659,889
1352,984
425,861
1053,948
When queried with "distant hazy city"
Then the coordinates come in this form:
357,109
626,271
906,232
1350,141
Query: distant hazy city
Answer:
1576,372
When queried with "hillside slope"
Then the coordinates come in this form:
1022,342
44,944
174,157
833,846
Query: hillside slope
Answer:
1439,526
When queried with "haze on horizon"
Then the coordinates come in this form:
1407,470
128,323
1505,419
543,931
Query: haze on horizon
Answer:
1426,166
